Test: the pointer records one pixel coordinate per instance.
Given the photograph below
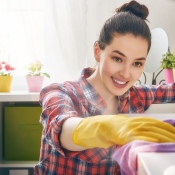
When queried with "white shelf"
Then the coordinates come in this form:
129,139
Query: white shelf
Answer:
17,164
158,116
17,96
154,163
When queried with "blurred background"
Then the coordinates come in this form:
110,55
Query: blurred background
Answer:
61,33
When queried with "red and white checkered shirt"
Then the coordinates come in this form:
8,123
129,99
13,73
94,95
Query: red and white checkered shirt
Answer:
78,98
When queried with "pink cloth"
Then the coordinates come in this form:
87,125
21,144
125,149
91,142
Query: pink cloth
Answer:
126,155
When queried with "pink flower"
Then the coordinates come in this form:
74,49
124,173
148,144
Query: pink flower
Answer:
6,69
3,62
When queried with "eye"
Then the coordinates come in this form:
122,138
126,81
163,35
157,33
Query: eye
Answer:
138,64
117,59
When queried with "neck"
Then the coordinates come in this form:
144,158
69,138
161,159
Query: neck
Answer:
95,81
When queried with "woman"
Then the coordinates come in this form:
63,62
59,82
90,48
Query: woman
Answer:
81,125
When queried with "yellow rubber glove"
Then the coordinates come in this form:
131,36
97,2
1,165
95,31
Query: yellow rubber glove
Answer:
106,130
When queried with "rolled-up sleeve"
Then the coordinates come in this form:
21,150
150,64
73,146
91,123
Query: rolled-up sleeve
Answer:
57,106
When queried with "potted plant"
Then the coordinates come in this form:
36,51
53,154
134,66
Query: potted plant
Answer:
35,76
167,63
5,76
173,64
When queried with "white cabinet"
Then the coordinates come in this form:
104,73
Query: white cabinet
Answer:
155,163
161,108
13,167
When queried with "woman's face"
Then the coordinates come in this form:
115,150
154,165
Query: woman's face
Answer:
121,63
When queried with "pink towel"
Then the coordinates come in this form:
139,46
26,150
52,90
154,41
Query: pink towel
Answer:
126,155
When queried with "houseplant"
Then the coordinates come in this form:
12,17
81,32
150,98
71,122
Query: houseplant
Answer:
5,76
167,63
35,76
173,64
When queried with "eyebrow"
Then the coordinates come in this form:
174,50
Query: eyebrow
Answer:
122,54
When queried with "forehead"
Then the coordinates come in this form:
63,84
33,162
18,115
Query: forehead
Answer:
130,45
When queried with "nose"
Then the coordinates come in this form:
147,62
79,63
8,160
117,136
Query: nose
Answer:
125,71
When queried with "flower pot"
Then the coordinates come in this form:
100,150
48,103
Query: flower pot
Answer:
168,74
5,83
34,83
174,74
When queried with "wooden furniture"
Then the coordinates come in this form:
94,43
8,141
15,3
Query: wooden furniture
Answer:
15,167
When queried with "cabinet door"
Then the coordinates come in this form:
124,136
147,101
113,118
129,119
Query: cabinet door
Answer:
22,133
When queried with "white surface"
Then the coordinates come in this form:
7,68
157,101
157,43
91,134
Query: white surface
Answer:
154,163
170,170
18,172
14,164
16,96
161,108
158,116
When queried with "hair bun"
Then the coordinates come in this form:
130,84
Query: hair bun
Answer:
135,8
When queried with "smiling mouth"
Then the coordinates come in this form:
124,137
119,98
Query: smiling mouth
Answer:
120,82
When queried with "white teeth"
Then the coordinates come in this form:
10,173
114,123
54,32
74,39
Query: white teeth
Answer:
119,82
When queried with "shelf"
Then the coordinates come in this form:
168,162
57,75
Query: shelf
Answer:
18,96
158,116
17,164
155,162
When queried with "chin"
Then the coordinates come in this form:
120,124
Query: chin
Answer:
120,92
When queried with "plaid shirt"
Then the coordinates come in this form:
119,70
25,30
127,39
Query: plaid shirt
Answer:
78,98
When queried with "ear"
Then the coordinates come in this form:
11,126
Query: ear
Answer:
97,51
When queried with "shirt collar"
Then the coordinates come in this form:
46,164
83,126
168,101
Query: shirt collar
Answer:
125,95
90,93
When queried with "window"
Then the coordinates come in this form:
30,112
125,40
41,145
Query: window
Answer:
21,32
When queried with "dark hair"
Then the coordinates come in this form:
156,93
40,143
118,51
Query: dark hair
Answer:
129,18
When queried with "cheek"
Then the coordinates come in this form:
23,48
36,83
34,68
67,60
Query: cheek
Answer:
109,68
136,74
105,66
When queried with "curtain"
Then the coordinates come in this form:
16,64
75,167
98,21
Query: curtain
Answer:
71,28
65,38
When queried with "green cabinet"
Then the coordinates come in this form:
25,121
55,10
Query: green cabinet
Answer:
22,133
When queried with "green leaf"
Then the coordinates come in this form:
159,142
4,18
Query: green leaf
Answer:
47,75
